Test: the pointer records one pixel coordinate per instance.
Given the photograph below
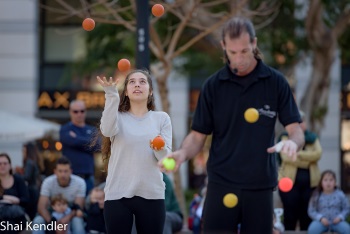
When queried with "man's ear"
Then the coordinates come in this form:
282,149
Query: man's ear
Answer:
222,45
255,43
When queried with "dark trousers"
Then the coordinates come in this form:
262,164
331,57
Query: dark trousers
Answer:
254,211
149,215
295,202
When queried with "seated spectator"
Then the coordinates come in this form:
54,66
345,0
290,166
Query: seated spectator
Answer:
196,209
31,174
14,195
72,187
328,207
95,222
61,209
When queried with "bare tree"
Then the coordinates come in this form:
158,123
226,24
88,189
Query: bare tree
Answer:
323,41
192,14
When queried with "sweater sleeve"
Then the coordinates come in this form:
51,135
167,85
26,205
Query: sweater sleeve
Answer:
345,207
109,120
312,209
166,133
313,154
22,190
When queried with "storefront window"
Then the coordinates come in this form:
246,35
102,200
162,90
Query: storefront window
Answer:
345,135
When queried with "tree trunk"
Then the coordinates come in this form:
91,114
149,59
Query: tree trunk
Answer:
323,43
162,72
315,100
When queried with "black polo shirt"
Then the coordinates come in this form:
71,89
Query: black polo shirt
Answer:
238,155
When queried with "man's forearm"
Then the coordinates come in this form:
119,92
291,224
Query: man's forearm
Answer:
297,135
192,144
45,214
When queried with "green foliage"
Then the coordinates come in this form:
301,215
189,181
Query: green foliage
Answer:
282,40
201,64
106,44
319,113
279,39
334,9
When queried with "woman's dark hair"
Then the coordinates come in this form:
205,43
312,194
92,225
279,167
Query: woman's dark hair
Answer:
124,106
235,27
32,152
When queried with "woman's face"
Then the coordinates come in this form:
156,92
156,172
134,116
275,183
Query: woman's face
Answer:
137,88
5,166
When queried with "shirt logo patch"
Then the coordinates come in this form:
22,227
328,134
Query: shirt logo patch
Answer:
267,112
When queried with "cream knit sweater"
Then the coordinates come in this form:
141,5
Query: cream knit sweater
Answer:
132,167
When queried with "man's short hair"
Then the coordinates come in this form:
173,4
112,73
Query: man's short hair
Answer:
58,198
63,161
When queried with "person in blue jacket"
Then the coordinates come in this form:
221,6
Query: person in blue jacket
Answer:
76,137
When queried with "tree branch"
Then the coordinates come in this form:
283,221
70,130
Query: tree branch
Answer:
179,30
314,23
342,23
85,6
120,19
213,3
68,7
207,31
159,51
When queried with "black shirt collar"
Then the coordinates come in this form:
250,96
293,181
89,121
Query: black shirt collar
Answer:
262,71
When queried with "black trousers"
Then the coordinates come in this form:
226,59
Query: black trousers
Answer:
149,215
254,211
296,201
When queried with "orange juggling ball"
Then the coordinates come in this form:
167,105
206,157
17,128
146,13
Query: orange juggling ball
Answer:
88,24
158,142
124,65
285,184
157,10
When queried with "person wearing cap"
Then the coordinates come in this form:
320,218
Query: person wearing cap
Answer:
305,174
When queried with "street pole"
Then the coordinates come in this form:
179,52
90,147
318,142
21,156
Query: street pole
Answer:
142,34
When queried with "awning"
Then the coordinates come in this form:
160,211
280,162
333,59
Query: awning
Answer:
17,128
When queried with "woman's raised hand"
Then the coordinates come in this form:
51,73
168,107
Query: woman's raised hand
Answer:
104,83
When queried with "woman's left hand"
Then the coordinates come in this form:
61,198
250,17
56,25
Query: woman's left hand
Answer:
153,147
104,83
10,199
336,220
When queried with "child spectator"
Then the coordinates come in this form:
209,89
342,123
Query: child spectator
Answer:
95,223
60,208
328,207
